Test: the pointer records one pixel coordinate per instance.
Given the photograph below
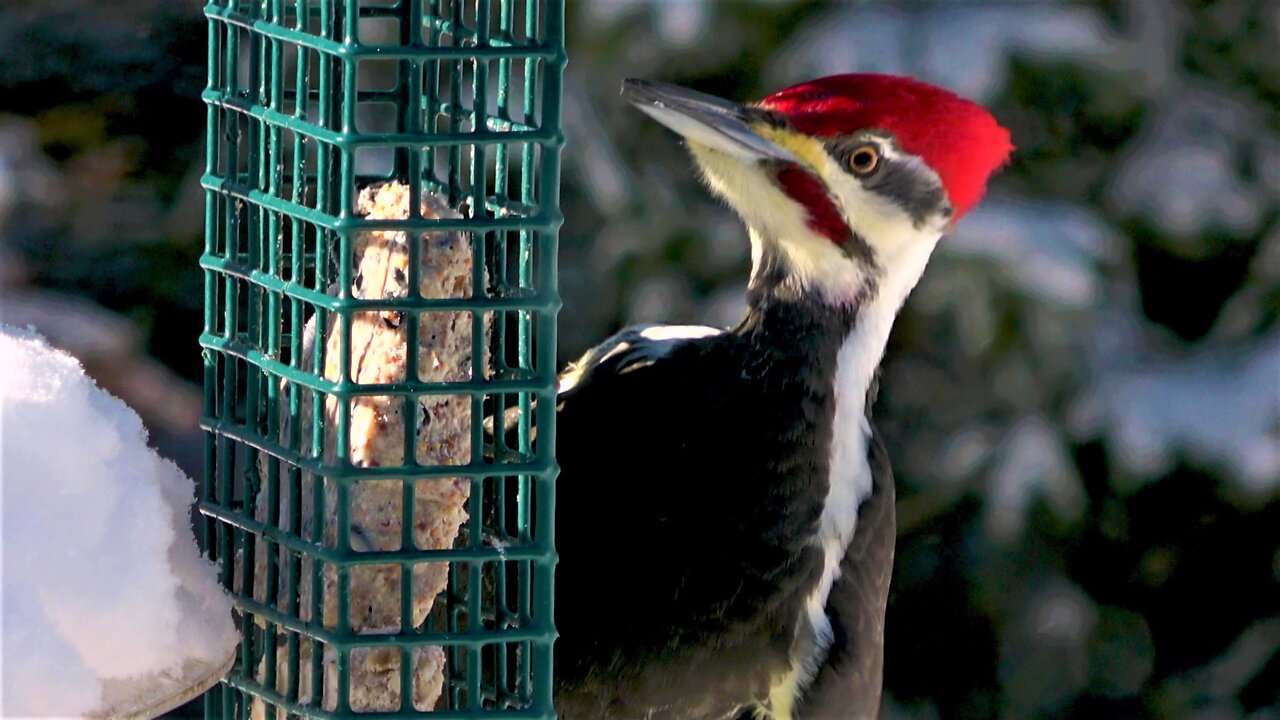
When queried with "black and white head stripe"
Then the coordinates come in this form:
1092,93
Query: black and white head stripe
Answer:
899,177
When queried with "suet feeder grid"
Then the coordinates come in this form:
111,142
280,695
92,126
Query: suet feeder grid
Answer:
311,102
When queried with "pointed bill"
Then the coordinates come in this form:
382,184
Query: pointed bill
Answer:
704,119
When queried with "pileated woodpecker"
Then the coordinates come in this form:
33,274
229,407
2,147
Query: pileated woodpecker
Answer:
725,516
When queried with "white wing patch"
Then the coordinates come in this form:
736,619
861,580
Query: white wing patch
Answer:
634,347
676,333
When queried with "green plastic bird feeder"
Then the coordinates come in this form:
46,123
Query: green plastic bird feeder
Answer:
382,189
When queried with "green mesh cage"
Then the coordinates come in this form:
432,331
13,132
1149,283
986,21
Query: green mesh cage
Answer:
382,189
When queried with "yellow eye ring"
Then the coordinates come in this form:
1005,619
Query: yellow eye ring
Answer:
864,159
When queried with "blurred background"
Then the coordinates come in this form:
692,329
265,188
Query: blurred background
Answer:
1081,399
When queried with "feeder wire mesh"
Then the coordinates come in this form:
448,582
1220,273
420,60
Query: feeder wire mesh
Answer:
382,181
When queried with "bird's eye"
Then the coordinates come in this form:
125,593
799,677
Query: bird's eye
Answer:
864,159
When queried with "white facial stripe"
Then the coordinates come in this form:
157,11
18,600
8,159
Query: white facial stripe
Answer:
777,220
901,250
750,190
888,149
871,215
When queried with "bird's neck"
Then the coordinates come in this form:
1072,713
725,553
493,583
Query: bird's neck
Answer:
834,341
794,337
863,347
842,330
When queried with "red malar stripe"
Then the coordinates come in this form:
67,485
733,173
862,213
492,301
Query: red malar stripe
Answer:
824,217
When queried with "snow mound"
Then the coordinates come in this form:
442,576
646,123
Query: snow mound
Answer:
103,584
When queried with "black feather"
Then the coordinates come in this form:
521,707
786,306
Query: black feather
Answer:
692,482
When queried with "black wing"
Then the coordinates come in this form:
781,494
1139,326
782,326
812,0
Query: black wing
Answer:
668,532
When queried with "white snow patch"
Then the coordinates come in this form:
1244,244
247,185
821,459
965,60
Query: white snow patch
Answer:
1033,463
1051,250
26,173
1216,407
1060,613
102,578
963,453
1155,34
963,48
1181,172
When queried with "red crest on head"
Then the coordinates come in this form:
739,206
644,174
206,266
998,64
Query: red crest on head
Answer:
958,138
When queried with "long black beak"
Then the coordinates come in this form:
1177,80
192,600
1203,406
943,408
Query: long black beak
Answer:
704,119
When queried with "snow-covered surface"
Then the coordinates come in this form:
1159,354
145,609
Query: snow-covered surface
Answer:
149,696
964,48
26,174
1051,250
1033,463
1182,173
1220,409
105,593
